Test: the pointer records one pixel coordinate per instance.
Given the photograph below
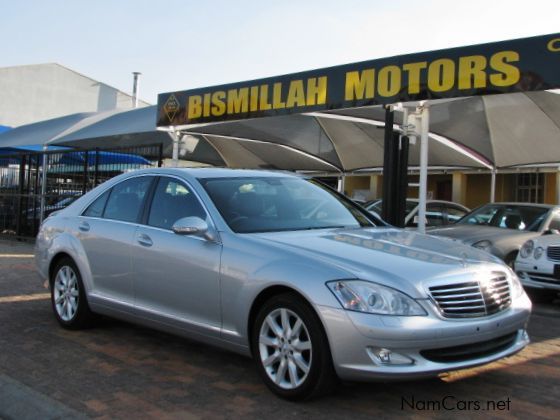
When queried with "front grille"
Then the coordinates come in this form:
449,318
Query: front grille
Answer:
470,351
553,253
473,298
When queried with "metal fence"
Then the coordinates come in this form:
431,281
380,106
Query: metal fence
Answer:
69,175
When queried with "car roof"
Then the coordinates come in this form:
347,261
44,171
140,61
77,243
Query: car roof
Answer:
544,206
416,200
203,173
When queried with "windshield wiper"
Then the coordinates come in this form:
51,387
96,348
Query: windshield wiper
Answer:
323,227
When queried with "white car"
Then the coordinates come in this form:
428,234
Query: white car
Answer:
538,266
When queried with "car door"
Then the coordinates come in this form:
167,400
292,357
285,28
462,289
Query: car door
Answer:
176,277
106,231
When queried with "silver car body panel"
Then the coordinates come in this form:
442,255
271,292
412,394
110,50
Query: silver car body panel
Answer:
504,241
205,289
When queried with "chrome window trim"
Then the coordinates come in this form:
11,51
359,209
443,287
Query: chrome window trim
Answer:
84,209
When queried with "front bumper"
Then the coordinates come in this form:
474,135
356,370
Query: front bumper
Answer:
354,338
537,275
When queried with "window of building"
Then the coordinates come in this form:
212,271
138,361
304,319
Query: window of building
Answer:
529,188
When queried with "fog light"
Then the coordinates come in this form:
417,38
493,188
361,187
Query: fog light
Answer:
384,356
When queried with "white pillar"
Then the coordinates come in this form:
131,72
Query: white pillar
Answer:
176,137
493,186
341,184
425,124
43,185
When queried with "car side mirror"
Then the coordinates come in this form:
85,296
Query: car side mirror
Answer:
194,226
551,232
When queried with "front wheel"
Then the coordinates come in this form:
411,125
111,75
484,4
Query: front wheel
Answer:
291,349
510,259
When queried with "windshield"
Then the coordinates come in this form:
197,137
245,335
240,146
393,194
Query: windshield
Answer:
267,204
507,217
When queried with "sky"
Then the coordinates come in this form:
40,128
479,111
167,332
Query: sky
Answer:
179,45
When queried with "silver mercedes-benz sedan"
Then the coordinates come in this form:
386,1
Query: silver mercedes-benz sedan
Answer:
282,268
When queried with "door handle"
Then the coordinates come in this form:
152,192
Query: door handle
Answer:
144,240
84,227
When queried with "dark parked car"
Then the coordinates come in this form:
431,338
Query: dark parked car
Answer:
438,212
503,228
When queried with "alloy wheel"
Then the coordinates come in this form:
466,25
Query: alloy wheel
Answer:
66,293
285,348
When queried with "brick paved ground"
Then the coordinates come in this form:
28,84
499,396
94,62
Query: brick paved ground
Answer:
118,370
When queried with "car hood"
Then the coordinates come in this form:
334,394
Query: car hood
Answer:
397,258
469,234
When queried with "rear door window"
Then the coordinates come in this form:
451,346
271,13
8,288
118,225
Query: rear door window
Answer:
126,199
96,208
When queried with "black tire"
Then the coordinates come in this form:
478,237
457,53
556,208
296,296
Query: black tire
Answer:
510,259
321,377
81,317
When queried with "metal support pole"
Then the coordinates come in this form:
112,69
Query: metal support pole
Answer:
176,135
493,186
402,180
86,164
425,124
341,184
43,184
96,169
135,88
389,168
22,163
160,156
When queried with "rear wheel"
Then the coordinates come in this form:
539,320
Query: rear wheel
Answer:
68,296
291,349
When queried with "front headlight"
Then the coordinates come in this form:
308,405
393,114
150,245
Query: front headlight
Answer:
538,252
527,249
483,245
364,296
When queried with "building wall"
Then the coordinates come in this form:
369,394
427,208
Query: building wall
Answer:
354,183
550,188
475,187
44,91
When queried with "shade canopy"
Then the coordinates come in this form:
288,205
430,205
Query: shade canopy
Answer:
478,132
514,129
344,145
41,133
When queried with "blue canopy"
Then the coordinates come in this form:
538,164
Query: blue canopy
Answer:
4,128
78,158
103,158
